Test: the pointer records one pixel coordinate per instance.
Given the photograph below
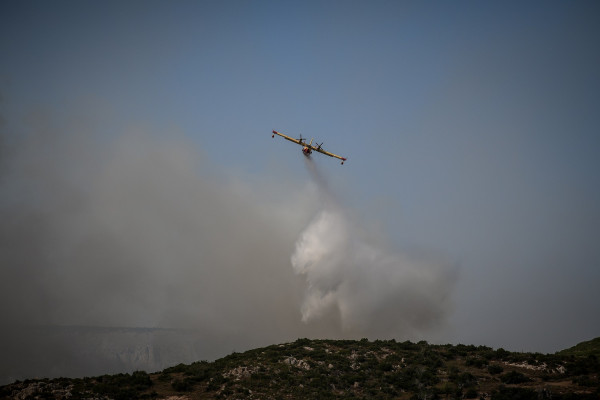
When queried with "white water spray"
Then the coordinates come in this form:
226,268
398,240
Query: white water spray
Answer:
372,290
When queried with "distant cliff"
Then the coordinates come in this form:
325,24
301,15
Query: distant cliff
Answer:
76,351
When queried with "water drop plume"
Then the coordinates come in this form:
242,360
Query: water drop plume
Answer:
352,276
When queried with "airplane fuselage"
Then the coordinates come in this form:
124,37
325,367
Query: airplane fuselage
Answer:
306,150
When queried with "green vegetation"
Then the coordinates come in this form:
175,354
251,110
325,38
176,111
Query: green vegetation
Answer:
137,385
335,369
514,377
121,386
495,369
583,349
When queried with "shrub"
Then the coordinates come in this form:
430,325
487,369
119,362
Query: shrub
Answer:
182,385
464,379
514,393
140,379
502,354
476,362
583,365
514,377
495,369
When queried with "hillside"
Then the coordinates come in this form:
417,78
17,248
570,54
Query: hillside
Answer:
328,369
590,347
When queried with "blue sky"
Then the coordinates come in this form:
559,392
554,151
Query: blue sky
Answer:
471,128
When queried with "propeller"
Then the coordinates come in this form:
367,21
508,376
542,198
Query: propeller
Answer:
301,139
319,145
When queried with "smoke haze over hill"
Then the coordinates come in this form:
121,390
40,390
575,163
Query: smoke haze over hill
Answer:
138,231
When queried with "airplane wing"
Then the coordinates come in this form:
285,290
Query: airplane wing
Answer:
329,154
297,141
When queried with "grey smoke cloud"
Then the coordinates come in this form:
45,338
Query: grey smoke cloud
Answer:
139,230
135,231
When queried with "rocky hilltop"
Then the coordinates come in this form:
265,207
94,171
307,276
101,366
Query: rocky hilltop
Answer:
321,369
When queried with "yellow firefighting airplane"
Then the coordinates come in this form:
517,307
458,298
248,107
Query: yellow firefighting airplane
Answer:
308,148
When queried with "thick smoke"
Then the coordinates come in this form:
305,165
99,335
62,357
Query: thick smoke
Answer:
352,277
138,230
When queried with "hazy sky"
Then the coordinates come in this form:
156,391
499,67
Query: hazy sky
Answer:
139,184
